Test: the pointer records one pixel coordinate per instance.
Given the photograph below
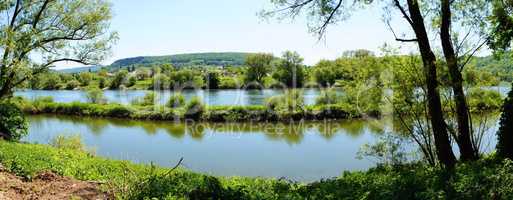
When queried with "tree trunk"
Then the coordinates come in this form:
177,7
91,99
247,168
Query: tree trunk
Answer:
442,142
4,136
462,115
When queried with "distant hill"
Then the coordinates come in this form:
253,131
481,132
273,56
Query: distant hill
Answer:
81,69
215,59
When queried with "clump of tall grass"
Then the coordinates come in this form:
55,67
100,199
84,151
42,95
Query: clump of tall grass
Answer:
176,100
195,108
290,101
327,97
70,142
147,100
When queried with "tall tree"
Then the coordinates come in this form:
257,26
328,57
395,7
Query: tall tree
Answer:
463,137
53,31
259,65
326,12
289,71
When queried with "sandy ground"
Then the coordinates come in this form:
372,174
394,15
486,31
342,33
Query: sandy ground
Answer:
46,186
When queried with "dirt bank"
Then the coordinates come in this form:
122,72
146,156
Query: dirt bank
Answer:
46,186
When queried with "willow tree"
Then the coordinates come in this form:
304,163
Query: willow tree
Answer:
420,17
37,34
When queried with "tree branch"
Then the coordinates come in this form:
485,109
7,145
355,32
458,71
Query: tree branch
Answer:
403,11
294,6
399,39
15,14
38,16
322,29
469,57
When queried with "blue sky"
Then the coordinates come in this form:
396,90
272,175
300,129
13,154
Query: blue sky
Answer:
164,27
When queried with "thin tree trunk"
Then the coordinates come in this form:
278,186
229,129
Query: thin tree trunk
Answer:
464,142
442,142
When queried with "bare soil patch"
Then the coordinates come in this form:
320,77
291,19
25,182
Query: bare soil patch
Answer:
48,186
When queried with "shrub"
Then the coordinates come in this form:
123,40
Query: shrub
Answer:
119,111
236,113
290,101
176,100
119,79
131,81
147,100
70,85
13,124
228,83
95,95
194,109
102,82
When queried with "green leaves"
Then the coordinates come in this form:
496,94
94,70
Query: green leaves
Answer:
289,70
41,33
13,125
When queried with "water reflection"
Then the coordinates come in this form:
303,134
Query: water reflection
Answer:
292,133
303,151
242,149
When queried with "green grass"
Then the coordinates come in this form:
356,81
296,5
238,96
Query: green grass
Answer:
487,178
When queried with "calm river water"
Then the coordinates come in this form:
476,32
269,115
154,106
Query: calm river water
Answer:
210,97
303,151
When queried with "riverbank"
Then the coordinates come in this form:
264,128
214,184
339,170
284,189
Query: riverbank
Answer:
485,179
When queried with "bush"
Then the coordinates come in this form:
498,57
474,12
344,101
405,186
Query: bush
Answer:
194,109
176,100
70,85
236,113
147,100
119,79
118,111
228,83
290,101
13,125
131,81
95,95
102,82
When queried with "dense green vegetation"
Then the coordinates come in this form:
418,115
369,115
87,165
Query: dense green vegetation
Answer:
488,178
505,132
498,68
193,109
352,71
